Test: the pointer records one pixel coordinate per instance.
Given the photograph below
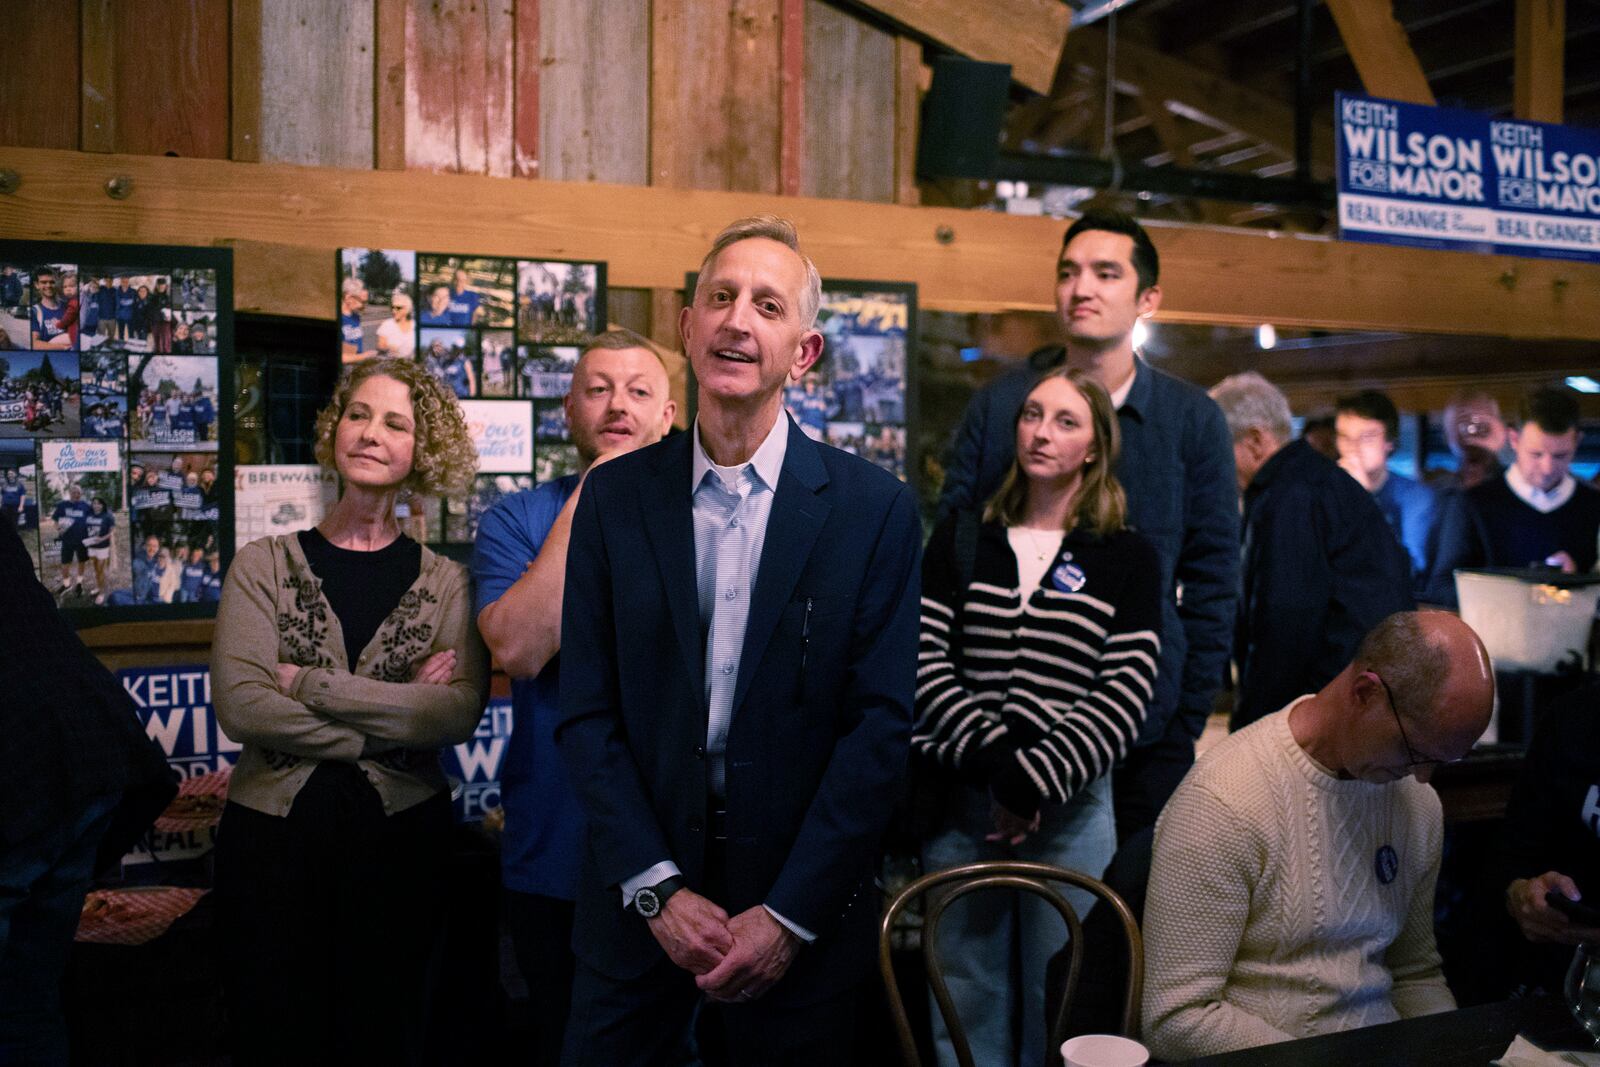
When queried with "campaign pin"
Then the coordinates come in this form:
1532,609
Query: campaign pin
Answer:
1068,577
1386,864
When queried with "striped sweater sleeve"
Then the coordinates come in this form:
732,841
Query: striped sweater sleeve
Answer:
951,721
1088,711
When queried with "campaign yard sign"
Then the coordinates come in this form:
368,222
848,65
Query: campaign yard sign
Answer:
174,704
476,764
1444,178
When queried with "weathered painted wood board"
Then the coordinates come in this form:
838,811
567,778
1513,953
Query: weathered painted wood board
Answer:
849,107
714,94
594,90
39,81
159,75
459,88
317,64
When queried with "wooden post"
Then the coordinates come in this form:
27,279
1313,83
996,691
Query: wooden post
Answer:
244,120
391,20
1538,82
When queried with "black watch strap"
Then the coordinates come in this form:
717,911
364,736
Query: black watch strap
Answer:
649,901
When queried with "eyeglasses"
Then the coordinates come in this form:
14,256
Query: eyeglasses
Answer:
1412,762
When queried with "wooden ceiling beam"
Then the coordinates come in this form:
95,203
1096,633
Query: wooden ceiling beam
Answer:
284,223
1258,115
1541,53
1381,51
1028,34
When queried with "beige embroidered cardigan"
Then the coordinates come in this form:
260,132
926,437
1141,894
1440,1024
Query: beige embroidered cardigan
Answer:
272,612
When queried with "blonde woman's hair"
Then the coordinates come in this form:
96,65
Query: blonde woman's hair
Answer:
1101,507
445,458
772,228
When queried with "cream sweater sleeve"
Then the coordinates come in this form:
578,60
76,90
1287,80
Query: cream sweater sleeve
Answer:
244,670
1419,986
1204,862
404,713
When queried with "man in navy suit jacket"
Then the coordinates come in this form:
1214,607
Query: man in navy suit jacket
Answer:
738,659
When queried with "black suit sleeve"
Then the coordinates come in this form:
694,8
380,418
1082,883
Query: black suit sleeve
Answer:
624,832
1290,587
842,834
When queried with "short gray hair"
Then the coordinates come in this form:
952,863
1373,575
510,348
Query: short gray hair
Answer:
1414,669
1249,401
772,228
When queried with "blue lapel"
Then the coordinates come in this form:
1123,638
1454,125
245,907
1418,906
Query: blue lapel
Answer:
669,523
798,514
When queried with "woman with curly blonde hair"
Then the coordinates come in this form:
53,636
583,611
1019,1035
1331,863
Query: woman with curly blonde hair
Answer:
344,657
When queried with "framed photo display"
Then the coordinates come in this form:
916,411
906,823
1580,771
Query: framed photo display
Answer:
861,395
503,333
116,423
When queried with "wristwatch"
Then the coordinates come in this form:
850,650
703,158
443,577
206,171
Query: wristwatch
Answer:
649,901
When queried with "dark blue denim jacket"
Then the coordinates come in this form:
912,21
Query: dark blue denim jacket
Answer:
1177,469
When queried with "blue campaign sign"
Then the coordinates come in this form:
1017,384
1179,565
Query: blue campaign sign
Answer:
476,764
174,704
1444,178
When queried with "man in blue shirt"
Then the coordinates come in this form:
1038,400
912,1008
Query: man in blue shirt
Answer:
10,287
71,517
1367,429
1176,467
464,303
46,327
105,299
618,401
13,491
126,299
352,298
204,414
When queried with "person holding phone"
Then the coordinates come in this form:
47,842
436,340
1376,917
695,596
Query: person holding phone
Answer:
1553,841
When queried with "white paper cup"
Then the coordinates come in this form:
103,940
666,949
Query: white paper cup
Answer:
1104,1050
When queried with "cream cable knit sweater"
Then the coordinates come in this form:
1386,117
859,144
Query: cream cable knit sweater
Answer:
1267,919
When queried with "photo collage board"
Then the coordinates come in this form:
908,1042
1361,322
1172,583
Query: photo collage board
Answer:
859,396
116,423
503,333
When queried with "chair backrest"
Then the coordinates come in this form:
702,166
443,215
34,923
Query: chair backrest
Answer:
1036,878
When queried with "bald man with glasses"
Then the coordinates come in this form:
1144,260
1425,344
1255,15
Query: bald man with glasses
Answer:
1291,888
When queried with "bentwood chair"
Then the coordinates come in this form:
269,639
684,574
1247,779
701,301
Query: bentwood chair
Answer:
1036,878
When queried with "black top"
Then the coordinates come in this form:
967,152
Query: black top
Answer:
1321,568
1553,820
1491,526
362,587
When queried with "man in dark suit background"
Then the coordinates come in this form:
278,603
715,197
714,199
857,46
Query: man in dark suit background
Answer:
739,655
1321,566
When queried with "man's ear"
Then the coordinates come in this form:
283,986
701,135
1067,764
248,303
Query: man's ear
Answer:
683,328
1149,301
810,352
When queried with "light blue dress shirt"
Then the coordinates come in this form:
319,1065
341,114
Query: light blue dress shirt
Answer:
731,506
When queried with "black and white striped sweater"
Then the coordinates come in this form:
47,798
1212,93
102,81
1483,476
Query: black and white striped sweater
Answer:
1036,697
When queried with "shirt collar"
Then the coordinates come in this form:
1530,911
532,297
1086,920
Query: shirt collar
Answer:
1136,396
1538,499
766,464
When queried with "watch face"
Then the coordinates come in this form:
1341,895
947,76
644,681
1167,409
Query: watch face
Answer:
646,903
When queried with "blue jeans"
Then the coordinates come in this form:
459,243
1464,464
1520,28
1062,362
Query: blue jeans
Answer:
42,885
987,938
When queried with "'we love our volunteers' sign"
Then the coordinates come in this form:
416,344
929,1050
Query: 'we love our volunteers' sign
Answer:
1442,178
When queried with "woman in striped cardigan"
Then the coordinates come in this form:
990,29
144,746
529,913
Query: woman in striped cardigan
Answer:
1040,636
